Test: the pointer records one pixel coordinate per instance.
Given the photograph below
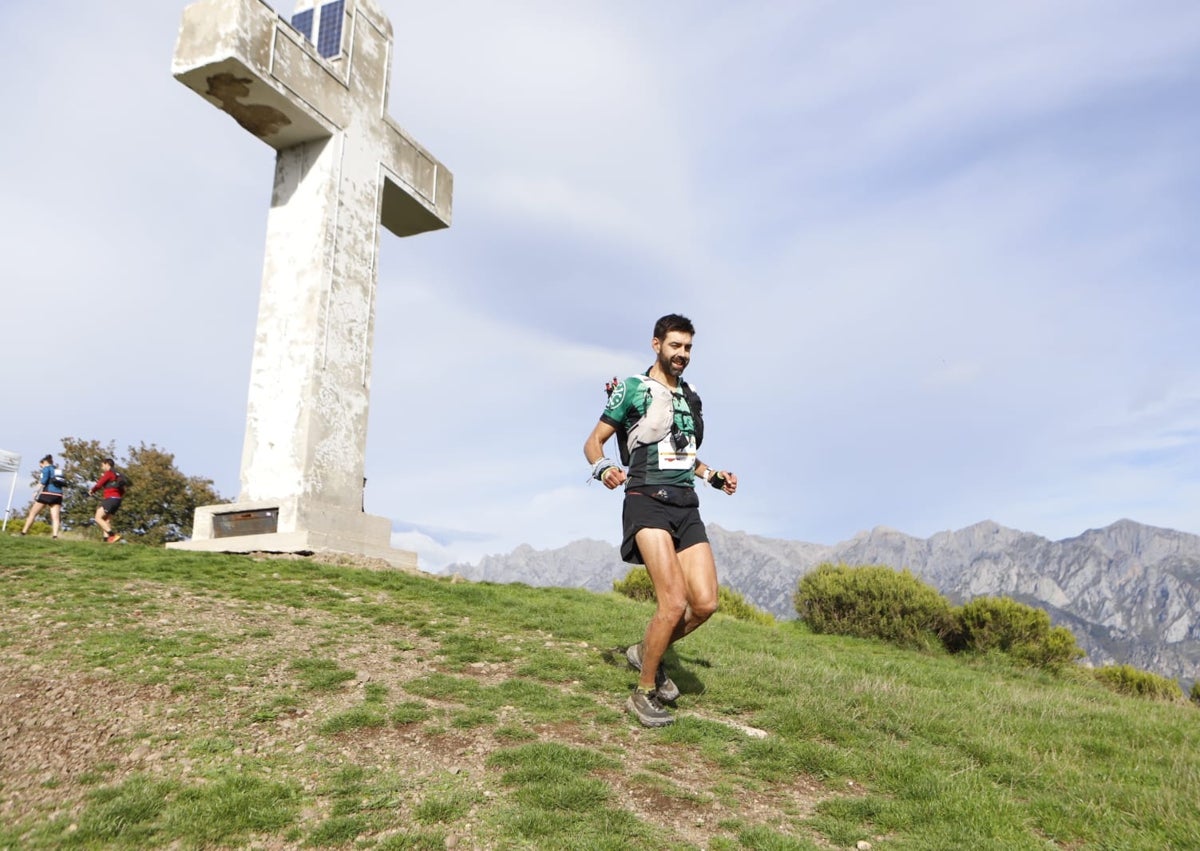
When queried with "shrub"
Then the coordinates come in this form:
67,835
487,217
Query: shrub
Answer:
1058,649
873,601
1196,692
1127,679
1002,625
41,526
734,604
637,586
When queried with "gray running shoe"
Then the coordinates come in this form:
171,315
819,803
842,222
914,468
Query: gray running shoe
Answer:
666,689
647,709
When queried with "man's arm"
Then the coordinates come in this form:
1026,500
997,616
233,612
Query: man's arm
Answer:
593,451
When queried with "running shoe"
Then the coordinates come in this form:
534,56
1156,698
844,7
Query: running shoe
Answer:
666,689
648,709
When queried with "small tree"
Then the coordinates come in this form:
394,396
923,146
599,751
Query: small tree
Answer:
163,501
158,506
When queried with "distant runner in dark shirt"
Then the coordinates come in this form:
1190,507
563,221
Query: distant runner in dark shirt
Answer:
50,493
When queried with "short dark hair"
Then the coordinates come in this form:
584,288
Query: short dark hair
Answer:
48,459
110,462
672,322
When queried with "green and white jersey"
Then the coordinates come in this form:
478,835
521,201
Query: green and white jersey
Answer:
659,430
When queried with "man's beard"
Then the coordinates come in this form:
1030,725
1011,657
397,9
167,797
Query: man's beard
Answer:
669,368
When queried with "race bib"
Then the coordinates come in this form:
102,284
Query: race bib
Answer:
676,454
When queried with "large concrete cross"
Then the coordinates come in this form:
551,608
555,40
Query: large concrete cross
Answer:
342,168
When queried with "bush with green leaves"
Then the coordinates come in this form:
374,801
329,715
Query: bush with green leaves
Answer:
1195,695
873,601
734,604
637,586
1058,649
1127,679
41,526
1002,625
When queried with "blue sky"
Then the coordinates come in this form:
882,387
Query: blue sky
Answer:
941,258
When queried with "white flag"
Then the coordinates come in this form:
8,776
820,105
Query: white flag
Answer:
10,462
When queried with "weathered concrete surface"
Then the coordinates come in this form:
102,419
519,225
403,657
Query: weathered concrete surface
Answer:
342,168
306,526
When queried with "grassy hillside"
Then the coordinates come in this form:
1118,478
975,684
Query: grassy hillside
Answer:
153,699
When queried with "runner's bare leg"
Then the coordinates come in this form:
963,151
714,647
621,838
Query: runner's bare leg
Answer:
700,574
671,593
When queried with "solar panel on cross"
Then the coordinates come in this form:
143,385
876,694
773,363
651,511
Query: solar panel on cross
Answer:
303,21
329,36
323,30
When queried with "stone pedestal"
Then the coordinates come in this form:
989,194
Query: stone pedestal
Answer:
292,526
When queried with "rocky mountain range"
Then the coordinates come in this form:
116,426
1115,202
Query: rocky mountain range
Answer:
1130,593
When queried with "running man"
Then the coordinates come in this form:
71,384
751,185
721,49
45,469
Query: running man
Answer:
657,419
110,499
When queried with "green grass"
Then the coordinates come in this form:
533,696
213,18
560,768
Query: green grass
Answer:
321,674
286,703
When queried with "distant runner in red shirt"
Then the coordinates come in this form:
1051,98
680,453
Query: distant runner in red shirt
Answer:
113,491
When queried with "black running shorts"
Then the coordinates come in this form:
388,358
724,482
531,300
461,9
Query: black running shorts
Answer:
111,505
644,512
47,498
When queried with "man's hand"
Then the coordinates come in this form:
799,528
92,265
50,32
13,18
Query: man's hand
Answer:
613,478
725,481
